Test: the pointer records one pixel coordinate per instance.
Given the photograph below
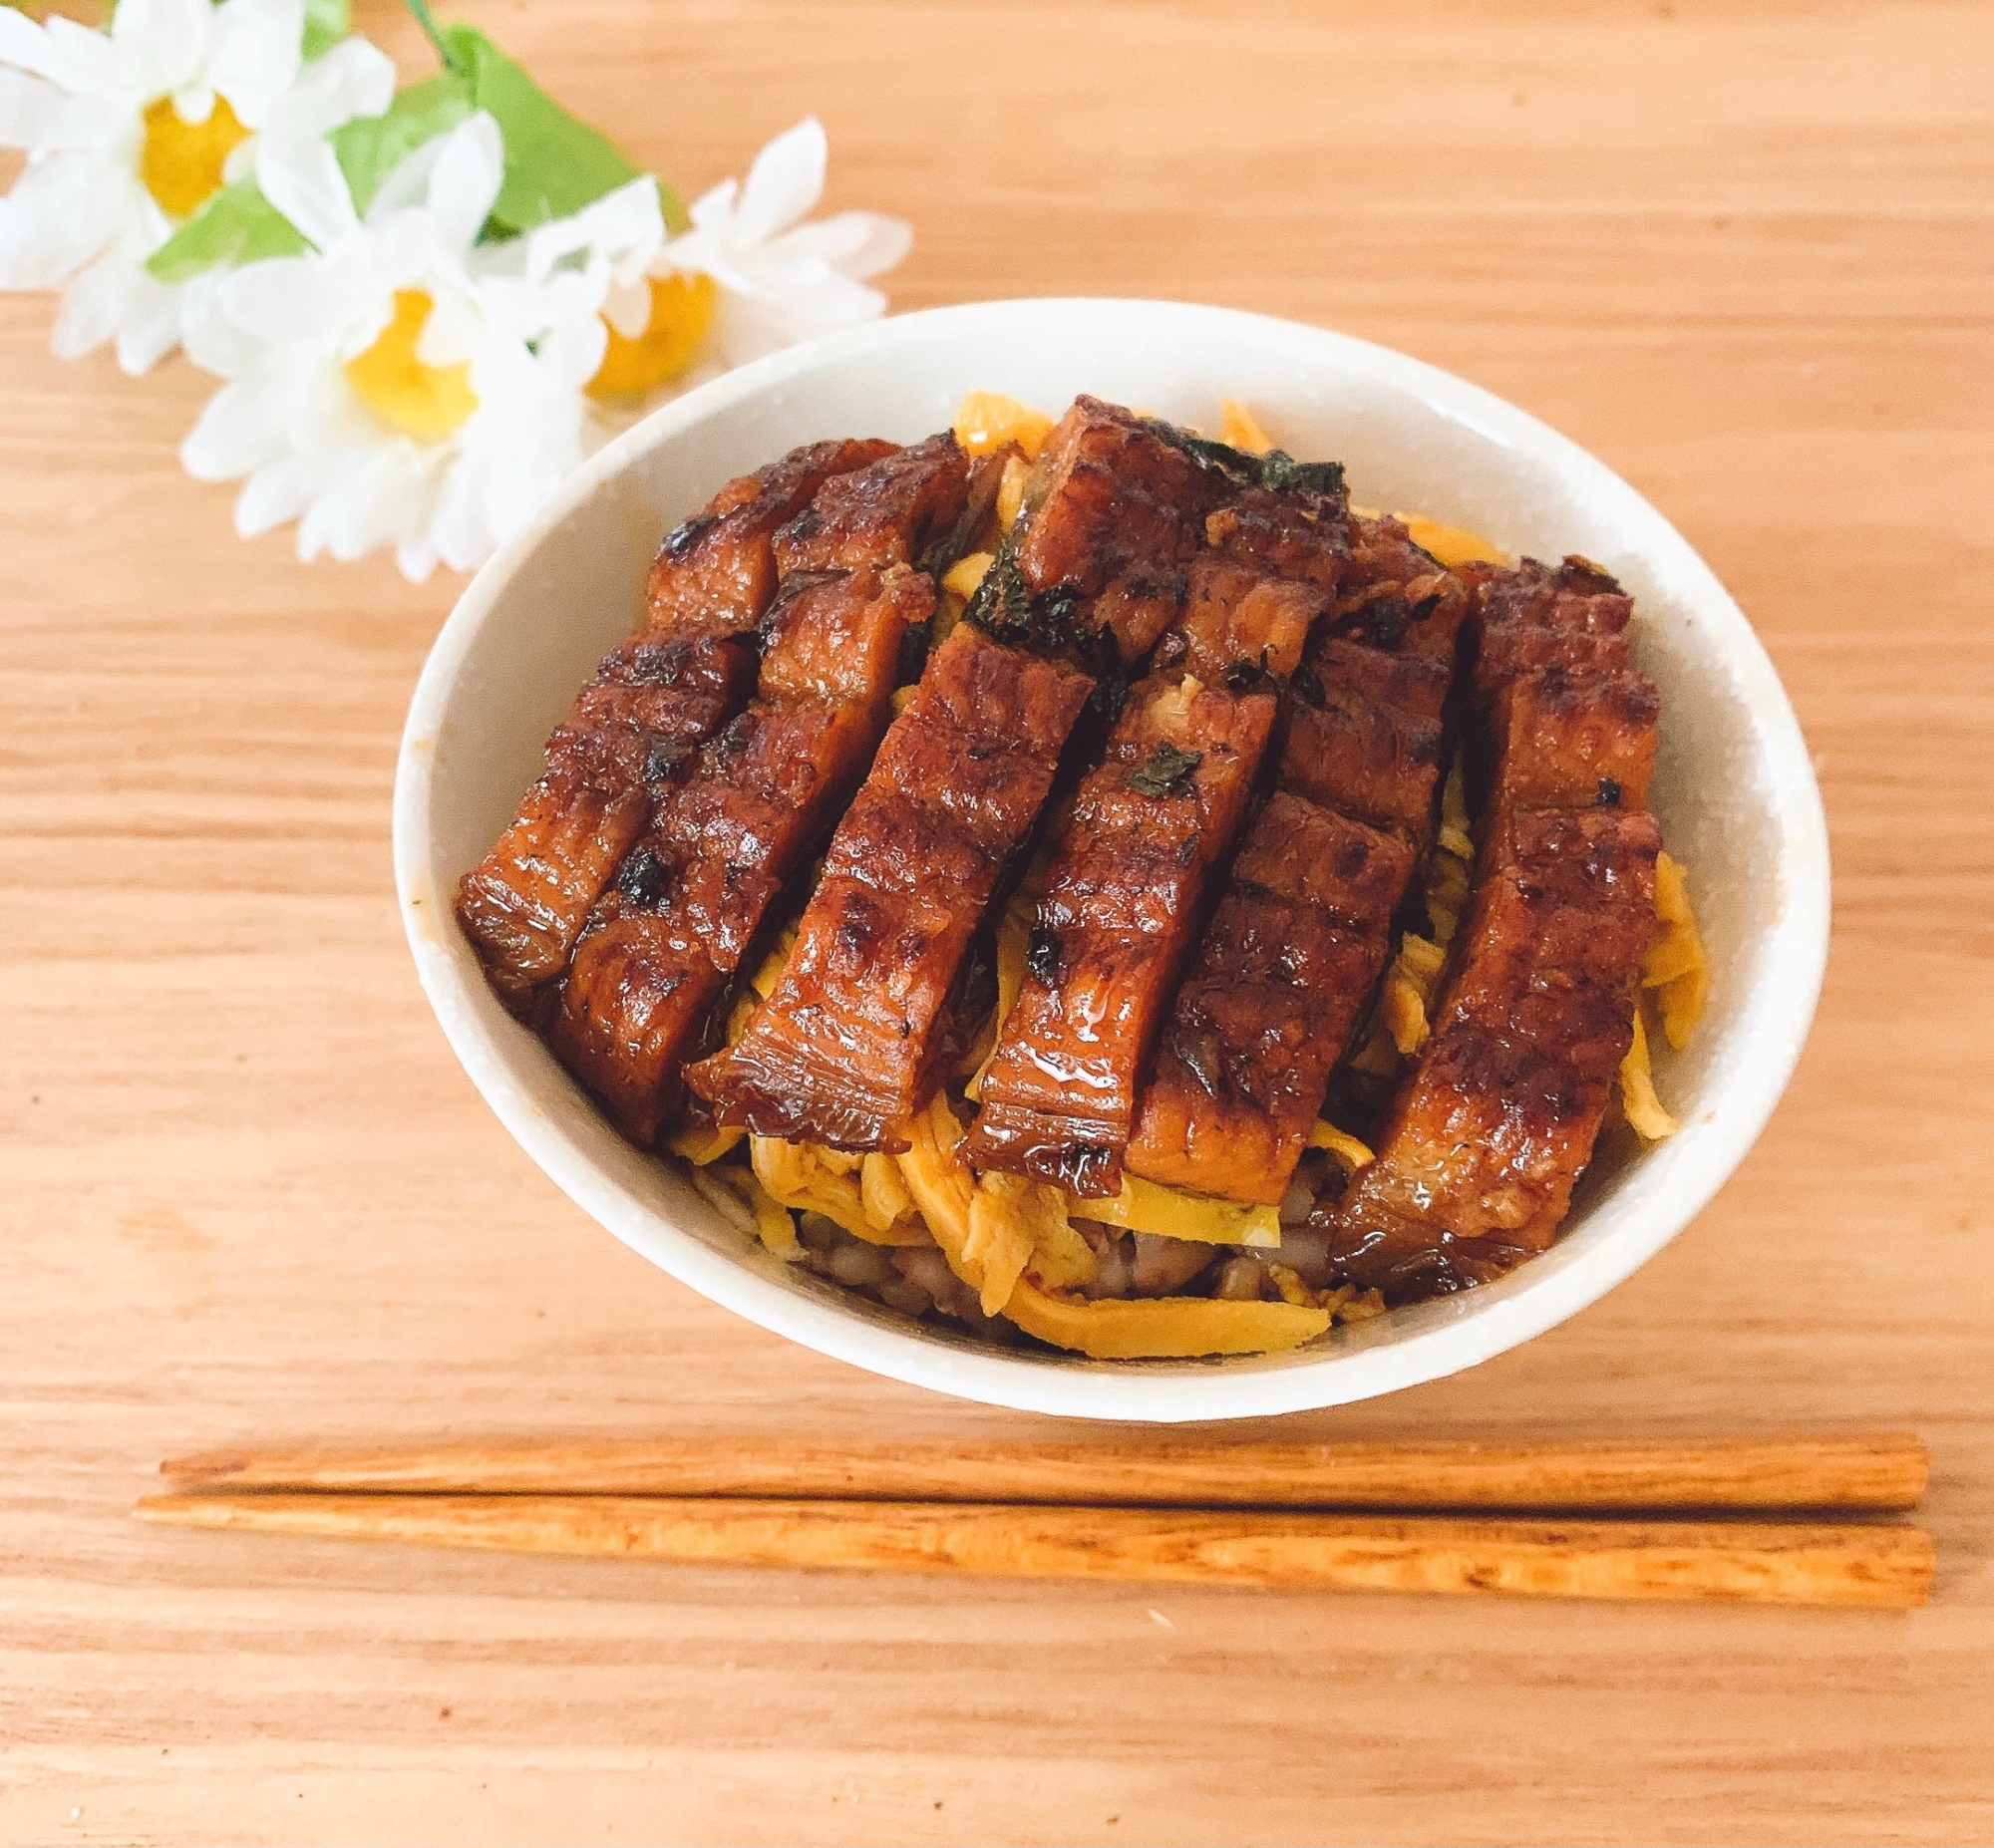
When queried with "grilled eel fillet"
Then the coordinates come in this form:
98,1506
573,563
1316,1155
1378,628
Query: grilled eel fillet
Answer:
1129,863
1284,973
662,948
1134,850
845,1047
1097,568
849,1045
635,724
1485,1141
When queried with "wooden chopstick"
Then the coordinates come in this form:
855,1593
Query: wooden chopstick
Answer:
1884,1566
1878,1472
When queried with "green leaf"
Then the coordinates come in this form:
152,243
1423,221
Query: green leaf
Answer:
326,23
556,164
237,224
370,147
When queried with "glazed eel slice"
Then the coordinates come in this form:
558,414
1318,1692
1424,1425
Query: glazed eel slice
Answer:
851,1043
633,728
1129,863
1486,1138
1285,972
662,949
1134,852
1097,566
847,1047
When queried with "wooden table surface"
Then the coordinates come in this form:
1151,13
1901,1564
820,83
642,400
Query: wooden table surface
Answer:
1744,255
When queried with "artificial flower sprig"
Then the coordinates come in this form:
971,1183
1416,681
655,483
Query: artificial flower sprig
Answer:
427,305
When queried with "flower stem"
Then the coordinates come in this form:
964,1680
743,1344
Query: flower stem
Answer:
433,33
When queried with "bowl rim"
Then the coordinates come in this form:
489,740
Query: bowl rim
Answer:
1745,1089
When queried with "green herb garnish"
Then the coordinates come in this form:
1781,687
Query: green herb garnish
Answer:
1166,772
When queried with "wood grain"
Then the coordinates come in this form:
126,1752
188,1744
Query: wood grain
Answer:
1738,1561
1744,253
1883,1472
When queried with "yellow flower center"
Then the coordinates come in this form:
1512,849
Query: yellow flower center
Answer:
181,160
682,310
421,400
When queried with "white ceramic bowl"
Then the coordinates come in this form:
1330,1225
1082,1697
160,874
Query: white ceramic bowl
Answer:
1734,788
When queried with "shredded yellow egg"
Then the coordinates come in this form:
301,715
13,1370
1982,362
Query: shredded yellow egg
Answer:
1452,545
182,162
1161,1329
1010,1220
683,306
1348,1152
809,1179
1011,491
1014,939
1404,1011
883,1193
987,420
1241,429
966,574
703,1145
737,1194
421,400
940,1183
1173,1212
1637,1089
1678,967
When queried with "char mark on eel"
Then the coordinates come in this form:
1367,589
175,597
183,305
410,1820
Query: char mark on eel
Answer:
1284,974
1134,852
634,727
1476,1162
663,949
851,1043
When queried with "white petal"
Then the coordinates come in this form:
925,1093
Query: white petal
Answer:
572,350
90,307
257,54
353,79
416,559
231,437
162,44
453,333
625,226
465,180
407,181
279,491
859,243
213,339
59,217
150,326
744,330
70,56
30,110
302,179
195,102
627,307
457,528
785,182
289,300
713,211
358,512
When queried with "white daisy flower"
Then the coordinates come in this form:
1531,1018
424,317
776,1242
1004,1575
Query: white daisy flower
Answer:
127,133
380,392
748,277
556,282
